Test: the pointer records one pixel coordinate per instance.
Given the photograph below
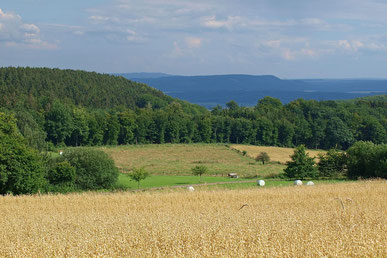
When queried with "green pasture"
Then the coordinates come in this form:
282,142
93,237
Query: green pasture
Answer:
268,183
166,181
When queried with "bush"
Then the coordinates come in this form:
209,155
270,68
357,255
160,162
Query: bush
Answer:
21,167
367,160
302,166
62,173
332,163
94,168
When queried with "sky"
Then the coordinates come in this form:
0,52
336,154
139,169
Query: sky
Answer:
286,38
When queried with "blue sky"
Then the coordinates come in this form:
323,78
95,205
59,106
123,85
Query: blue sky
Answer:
289,39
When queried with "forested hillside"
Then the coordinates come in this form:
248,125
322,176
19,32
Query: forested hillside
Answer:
75,108
37,88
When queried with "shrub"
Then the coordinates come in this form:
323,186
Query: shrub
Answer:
21,167
332,163
263,157
301,165
62,173
94,168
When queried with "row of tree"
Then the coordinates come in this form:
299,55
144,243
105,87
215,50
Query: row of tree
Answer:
315,124
361,160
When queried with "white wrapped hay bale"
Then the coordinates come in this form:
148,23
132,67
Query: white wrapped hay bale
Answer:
190,188
310,183
261,182
298,182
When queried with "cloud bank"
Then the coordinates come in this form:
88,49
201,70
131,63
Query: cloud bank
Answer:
14,32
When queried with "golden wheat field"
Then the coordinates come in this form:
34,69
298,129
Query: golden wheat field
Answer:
279,154
348,219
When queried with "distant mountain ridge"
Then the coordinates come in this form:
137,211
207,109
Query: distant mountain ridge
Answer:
212,90
142,75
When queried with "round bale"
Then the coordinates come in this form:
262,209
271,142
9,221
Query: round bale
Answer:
310,183
298,182
190,188
261,182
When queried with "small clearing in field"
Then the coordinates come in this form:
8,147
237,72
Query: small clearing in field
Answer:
278,154
178,159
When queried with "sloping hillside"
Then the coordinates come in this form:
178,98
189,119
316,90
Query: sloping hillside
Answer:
35,87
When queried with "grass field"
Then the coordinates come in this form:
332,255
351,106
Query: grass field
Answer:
268,183
167,181
330,220
178,159
164,181
278,154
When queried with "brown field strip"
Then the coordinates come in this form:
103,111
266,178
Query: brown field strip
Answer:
338,220
178,159
279,154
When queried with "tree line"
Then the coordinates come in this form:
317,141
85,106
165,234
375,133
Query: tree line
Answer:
322,125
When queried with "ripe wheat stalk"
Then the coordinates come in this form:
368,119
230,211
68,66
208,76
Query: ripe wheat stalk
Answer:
287,221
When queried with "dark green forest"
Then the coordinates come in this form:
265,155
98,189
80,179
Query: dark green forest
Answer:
37,88
77,108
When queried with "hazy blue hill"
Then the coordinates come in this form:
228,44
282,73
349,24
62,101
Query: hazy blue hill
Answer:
131,76
232,82
212,90
348,85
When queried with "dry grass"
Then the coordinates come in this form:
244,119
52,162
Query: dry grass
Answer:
325,220
276,153
178,159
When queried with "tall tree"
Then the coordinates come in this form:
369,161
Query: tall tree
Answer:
338,134
59,123
301,166
21,168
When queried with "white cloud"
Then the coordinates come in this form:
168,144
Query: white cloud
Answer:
135,39
8,16
14,32
289,54
99,18
291,49
193,42
30,28
213,23
78,32
177,51
358,45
